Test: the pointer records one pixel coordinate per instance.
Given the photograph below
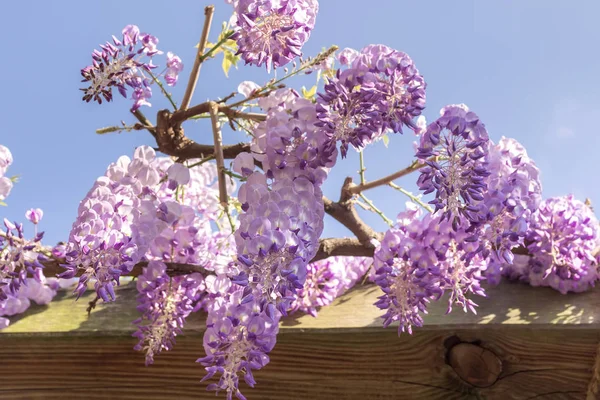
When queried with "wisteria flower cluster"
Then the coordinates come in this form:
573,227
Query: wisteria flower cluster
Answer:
282,217
380,91
127,63
563,238
328,279
247,256
165,302
455,147
237,339
21,269
272,32
514,192
420,259
134,213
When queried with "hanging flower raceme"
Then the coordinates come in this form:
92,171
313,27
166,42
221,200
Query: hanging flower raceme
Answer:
563,239
513,194
380,91
127,64
292,145
116,222
459,142
420,259
277,237
327,279
165,302
272,32
19,258
237,340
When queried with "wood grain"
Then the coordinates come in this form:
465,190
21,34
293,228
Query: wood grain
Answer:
545,341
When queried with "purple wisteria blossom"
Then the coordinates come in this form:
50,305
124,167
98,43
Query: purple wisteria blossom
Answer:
174,67
165,302
277,237
380,91
459,142
127,64
137,211
513,194
237,340
272,32
114,225
283,220
563,239
289,142
34,215
19,258
419,260
328,279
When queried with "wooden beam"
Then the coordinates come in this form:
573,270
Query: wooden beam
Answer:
546,344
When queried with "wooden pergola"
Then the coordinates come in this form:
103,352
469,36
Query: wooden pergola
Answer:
525,343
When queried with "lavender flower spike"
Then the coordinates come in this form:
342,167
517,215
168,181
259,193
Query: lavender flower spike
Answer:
272,32
165,303
458,178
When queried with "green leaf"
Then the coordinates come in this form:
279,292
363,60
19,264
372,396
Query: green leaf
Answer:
309,94
386,140
229,60
2,203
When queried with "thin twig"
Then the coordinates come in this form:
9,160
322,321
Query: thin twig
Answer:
117,128
92,305
145,121
376,210
164,91
362,168
220,43
218,140
411,196
195,73
201,161
387,179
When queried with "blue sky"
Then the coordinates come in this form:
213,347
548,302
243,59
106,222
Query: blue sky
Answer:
529,69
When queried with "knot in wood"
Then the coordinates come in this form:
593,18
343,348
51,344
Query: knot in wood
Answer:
475,365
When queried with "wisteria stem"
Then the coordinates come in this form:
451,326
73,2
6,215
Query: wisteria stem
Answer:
218,140
164,91
411,196
362,168
195,73
272,85
376,210
201,161
387,179
220,43
145,122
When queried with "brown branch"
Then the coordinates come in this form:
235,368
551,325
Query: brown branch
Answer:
333,247
181,115
145,122
92,305
387,179
327,248
52,268
345,213
172,141
218,141
195,73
